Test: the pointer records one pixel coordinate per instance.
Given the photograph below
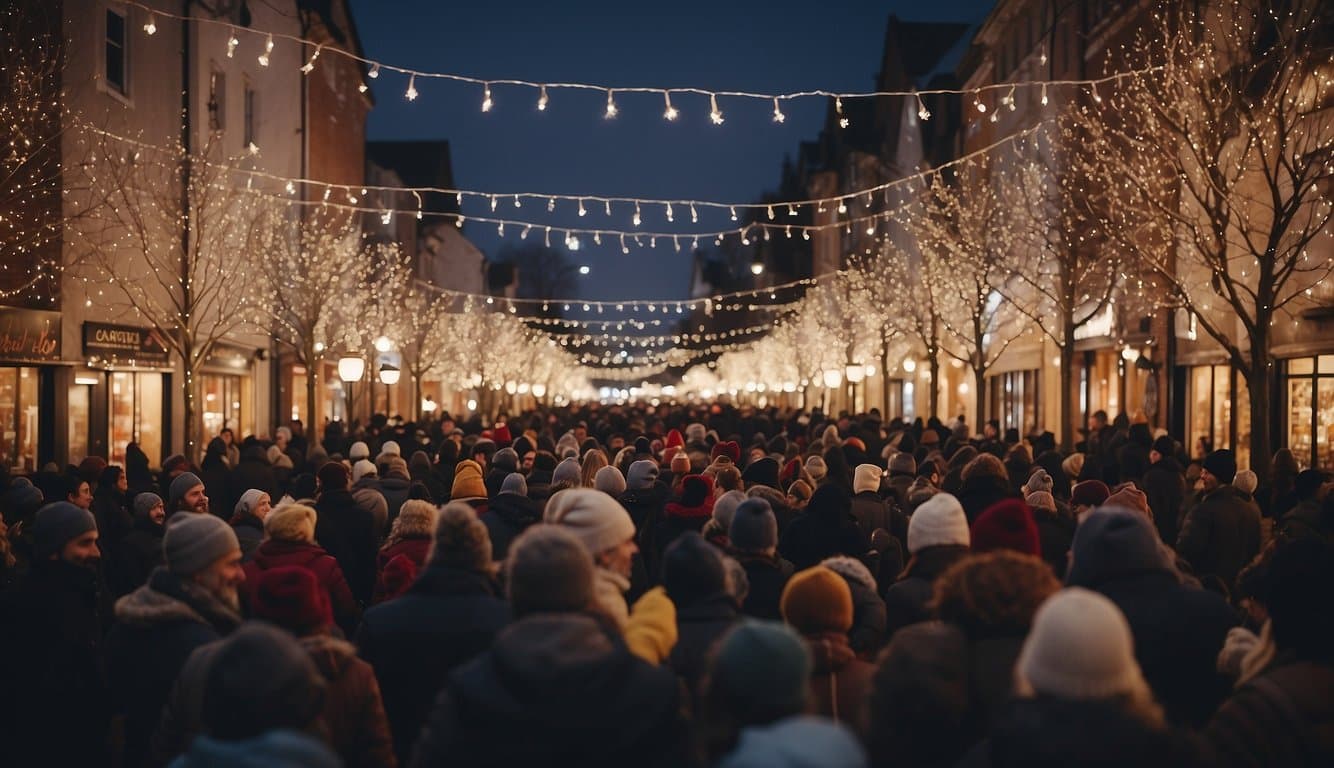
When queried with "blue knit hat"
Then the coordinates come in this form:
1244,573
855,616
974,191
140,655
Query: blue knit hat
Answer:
57,524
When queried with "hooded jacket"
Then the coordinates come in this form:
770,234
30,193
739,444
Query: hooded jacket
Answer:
906,599
507,516
1221,534
571,688
347,531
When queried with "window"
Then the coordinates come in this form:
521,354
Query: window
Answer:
117,69
134,413
249,137
19,418
217,100
1014,400
1310,411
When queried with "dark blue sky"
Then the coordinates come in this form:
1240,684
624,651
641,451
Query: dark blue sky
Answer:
724,45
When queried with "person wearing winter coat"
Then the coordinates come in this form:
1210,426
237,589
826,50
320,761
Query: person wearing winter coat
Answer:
191,601
396,487
346,530
1221,533
689,513
409,538
827,528
1080,696
818,604
992,598
873,510
868,633
509,513
252,471
1178,629
259,701
644,498
449,615
290,541
1164,483
248,520
217,476
140,550
753,538
938,537
558,686
55,709
696,581
1281,712
111,506
352,716
985,482
366,490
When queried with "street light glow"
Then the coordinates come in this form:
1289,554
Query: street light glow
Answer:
584,269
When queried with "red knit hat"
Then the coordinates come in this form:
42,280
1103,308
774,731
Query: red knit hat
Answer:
1007,524
696,490
501,435
1090,493
674,439
291,597
791,472
397,576
728,448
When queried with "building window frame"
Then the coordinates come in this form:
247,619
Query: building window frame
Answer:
120,89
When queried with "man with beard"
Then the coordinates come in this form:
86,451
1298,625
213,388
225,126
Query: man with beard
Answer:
190,601
55,711
186,494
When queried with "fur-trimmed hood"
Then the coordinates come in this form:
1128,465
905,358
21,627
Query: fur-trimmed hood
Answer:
166,598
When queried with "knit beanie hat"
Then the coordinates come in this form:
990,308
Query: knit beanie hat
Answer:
1110,542
1222,464
1038,481
57,524
291,522
866,478
514,483
260,679
390,447
548,569
1165,445
610,481
1080,647
754,527
940,520
567,471
506,458
692,569
398,575
1130,497
642,475
1245,481
817,600
695,433
194,542
729,449
21,500
1007,524
680,464
760,672
724,508
244,505
852,570
333,476
674,439
358,451
816,468
762,472
145,502
1089,493
291,597
1042,500
467,481
902,463
461,539
1073,466
183,484
595,518
397,467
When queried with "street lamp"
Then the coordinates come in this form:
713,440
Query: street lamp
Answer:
350,369
389,374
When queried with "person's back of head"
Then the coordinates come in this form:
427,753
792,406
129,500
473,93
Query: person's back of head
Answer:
260,680
759,673
920,710
548,570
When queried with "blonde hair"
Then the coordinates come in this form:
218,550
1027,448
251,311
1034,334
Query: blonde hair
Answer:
291,522
415,518
594,460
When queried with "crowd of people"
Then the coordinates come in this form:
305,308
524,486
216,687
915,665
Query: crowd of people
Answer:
682,585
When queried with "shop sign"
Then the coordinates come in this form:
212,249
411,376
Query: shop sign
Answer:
124,342
29,335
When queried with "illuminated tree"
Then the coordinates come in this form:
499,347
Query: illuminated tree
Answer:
1215,172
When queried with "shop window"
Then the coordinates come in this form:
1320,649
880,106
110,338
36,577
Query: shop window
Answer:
1310,411
226,403
134,413
1213,417
19,416
1013,400
79,402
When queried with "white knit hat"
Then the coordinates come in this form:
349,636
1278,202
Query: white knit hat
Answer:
391,447
937,521
595,518
1080,647
362,468
291,522
866,478
359,450
816,468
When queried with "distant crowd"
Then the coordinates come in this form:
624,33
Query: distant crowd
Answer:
690,585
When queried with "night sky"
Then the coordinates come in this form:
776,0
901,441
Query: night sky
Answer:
570,148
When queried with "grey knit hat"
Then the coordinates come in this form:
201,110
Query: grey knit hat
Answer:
566,472
548,569
194,542
754,527
58,523
514,483
182,485
643,474
610,481
144,503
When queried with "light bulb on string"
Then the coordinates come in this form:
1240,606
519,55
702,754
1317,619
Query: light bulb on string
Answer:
715,114
977,102
268,49
309,66
517,204
923,113
669,212
778,112
1044,94
582,211
611,106
694,215
486,98
151,27
542,99
411,93
232,42
843,121
375,71
670,112
636,219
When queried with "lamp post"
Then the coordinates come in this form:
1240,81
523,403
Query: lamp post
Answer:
388,376
350,369
855,373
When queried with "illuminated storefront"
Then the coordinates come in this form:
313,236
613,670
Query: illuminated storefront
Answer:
1308,412
28,339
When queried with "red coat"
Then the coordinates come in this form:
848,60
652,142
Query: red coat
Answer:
312,557
414,548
